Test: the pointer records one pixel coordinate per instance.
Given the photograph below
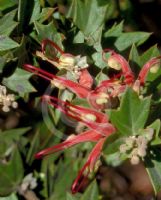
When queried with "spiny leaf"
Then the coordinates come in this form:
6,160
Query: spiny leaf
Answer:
132,114
115,31
7,43
7,23
19,82
11,173
86,16
127,39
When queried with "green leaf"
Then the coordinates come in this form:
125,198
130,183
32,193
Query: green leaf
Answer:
70,197
45,14
19,82
36,11
132,114
11,197
127,39
97,57
7,43
63,179
79,38
86,16
101,77
114,31
14,134
150,53
35,143
7,23
47,31
134,56
91,193
156,126
7,3
145,57
11,173
153,166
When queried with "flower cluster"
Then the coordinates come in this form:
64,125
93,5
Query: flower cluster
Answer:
135,147
99,98
7,100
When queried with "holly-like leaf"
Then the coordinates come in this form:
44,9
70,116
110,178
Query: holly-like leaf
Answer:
11,173
7,23
7,43
91,192
47,32
36,11
19,82
127,39
86,16
156,127
97,57
152,164
134,57
145,57
115,31
132,114
150,53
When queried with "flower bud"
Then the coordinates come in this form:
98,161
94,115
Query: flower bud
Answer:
142,152
5,109
14,104
57,84
123,148
130,141
113,63
155,68
135,160
102,98
101,101
90,117
66,60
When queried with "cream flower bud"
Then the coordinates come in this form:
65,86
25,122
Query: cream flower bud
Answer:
123,148
57,84
135,160
7,100
113,63
5,109
102,98
142,152
134,152
90,117
66,60
155,68
14,104
101,101
130,141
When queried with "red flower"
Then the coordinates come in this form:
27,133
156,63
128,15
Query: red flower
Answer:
99,130
97,122
100,96
117,62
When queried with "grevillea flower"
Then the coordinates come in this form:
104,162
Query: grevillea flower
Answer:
99,129
74,64
99,97
117,62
